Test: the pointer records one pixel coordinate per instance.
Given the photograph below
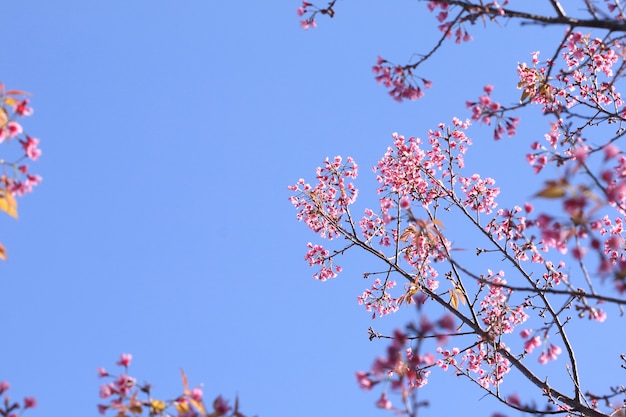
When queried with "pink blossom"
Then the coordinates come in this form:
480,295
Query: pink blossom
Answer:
106,390
125,359
221,406
30,147
531,344
196,394
30,402
14,129
364,381
611,151
22,109
383,402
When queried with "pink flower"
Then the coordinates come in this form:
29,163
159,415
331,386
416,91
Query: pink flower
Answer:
102,409
531,344
221,406
196,394
514,399
383,402
30,147
23,109
610,151
102,372
125,359
447,322
4,385
364,381
30,402
106,390
14,129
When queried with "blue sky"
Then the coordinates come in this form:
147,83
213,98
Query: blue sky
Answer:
170,132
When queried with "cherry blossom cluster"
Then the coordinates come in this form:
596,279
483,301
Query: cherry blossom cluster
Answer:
614,6
402,84
447,26
322,207
486,364
10,408
479,195
378,299
126,397
373,225
317,255
408,170
585,82
497,315
16,177
485,109
404,369
310,11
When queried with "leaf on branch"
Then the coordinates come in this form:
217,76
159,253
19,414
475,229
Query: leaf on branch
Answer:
157,406
3,252
8,203
17,93
4,117
554,189
11,101
455,295
197,404
408,295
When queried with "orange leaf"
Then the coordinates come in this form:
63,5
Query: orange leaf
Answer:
4,117
198,406
8,203
3,252
17,93
185,384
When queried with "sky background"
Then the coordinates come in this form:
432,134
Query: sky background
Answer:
170,132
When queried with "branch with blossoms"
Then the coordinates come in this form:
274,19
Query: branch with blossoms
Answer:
126,397
455,16
412,176
10,408
15,178
563,263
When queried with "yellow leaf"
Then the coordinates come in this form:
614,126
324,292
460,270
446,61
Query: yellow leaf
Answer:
4,117
11,101
157,406
553,189
181,407
8,203
455,295
454,299
199,406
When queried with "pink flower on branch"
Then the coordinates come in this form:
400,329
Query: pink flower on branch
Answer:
400,80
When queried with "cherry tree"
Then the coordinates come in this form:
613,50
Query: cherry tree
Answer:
537,267
16,178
